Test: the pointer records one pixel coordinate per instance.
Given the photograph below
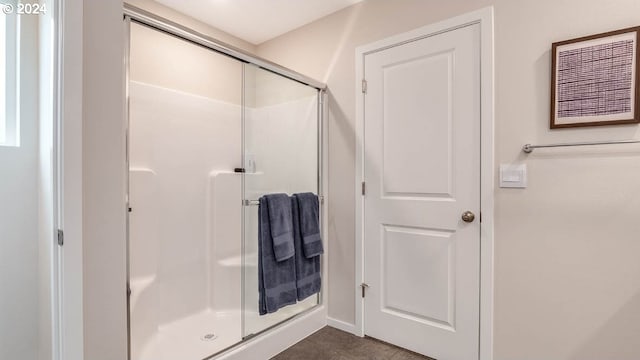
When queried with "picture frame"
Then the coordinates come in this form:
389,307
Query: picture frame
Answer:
595,80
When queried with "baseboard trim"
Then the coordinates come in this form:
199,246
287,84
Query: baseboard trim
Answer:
342,325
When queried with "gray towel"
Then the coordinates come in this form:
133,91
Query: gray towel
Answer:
308,281
281,226
310,224
276,279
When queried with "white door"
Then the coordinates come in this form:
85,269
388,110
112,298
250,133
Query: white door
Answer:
422,172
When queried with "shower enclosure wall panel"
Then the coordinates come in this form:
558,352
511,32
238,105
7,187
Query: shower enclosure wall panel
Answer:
183,222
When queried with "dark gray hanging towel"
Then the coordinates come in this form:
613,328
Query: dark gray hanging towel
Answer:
276,279
308,280
310,224
281,225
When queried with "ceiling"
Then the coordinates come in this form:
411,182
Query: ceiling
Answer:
257,21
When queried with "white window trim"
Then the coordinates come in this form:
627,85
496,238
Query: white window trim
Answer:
12,87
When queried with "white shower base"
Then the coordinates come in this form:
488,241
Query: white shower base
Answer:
183,339
254,323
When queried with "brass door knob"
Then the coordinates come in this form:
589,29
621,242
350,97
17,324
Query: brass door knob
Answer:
468,216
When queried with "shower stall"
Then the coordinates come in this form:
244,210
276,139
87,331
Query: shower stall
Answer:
210,131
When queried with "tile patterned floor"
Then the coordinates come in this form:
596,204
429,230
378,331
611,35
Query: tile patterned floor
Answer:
333,344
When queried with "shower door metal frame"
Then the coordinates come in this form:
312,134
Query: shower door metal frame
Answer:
145,18
127,53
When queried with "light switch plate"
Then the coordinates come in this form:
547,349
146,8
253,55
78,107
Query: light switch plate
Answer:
513,176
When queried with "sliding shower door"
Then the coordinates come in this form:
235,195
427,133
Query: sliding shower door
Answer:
280,156
208,135
185,219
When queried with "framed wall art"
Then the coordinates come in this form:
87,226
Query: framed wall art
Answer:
594,80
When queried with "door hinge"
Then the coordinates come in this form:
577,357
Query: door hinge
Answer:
364,286
364,189
364,86
60,237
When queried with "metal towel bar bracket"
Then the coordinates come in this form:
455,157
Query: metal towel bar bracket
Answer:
528,148
247,202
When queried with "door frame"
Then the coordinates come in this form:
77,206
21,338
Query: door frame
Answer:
483,17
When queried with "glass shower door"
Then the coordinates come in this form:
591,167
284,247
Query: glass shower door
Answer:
280,156
185,221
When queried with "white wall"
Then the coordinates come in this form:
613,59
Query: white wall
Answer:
567,275
70,182
103,179
19,269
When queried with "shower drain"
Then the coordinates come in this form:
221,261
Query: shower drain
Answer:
208,337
